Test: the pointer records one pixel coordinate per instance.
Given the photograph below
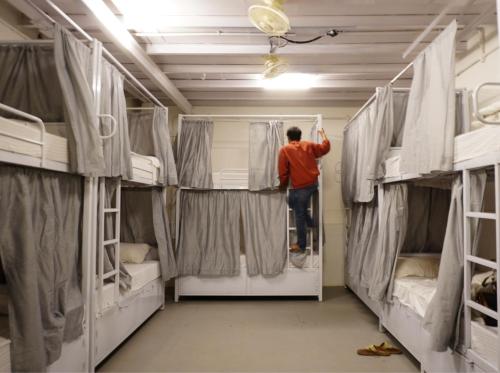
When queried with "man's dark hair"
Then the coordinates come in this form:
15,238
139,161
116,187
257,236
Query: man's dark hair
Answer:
294,134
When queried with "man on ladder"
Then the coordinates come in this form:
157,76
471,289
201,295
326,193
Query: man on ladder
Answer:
297,163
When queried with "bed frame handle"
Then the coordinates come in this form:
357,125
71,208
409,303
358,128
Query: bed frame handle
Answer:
475,102
115,125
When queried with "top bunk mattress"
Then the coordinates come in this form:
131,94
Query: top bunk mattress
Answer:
477,143
146,169
22,137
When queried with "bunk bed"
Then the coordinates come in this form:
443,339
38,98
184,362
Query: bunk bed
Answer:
240,182
420,309
135,251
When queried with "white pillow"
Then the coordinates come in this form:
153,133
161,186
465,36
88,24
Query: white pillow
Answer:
133,252
419,266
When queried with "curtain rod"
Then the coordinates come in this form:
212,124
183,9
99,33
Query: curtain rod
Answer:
248,116
370,100
108,55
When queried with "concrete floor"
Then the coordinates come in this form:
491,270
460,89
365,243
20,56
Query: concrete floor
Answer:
264,335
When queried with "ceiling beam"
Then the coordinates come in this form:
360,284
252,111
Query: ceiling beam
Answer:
114,29
327,21
278,96
471,27
256,84
241,49
257,69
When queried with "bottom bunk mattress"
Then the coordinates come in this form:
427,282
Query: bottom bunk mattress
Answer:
142,273
416,293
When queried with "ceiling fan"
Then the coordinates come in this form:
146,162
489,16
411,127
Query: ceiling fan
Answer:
270,18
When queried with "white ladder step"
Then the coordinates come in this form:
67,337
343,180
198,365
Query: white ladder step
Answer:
109,274
481,261
294,228
482,309
111,210
481,215
111,242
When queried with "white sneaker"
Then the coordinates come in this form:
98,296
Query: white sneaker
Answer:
298,259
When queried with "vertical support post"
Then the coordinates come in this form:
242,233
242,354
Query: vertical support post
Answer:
497,243
320,223
177,231
117,215
467,263
287,231
100,246
88,244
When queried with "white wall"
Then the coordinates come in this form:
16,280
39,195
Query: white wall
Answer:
334,120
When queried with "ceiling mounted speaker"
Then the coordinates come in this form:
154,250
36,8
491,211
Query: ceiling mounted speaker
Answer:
274,66
269,17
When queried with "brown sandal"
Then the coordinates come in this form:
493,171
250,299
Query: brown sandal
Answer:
372,350
387,347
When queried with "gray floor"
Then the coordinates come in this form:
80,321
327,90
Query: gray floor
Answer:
258,336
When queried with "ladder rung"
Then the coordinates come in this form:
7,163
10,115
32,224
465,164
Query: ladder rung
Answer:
294,228
482,309
481,261
109,274
111,242
111,210
481,215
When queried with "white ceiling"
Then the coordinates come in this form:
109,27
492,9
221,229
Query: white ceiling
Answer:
212,69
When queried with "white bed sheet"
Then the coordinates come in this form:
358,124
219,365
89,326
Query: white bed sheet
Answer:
415,292
477,143
56,147
143,273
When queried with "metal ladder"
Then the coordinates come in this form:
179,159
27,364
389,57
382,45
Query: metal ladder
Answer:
471,260
310,234
102,243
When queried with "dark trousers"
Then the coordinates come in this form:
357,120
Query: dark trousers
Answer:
299,201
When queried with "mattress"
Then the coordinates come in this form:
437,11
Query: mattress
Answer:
477,143
108,295
484,341
146,169
56,147
230,179
415,292
142,273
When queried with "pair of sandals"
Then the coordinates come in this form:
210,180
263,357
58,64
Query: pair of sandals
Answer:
383,349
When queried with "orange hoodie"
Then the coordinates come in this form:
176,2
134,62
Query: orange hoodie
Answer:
297,160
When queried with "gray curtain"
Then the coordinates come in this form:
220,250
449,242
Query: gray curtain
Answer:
363,235
194,156
264,231
74,65
393,221
163,237
209,237
150,135
28,76
366,143
117,148
265,141
430,118
399,105
380,135
109,234
40,248
144,220
443,315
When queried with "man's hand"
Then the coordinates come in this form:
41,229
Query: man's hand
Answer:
322,133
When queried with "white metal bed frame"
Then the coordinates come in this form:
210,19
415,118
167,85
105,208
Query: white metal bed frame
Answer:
126,318
288,281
